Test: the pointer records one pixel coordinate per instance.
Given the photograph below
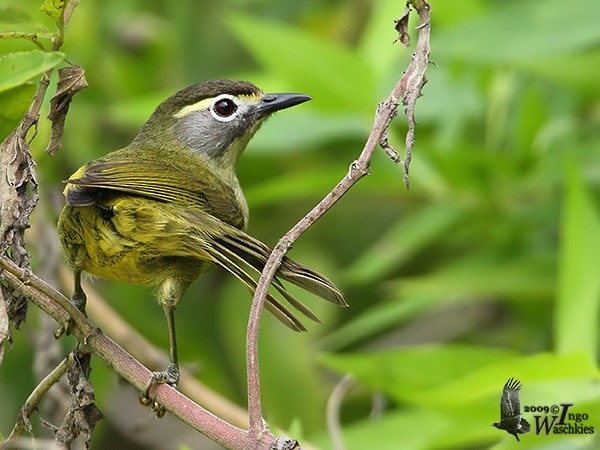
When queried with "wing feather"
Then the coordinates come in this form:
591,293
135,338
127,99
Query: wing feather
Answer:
510,404
156,179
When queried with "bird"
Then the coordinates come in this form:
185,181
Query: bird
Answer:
168,207
510,410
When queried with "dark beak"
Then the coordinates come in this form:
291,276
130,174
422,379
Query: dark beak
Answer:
275,102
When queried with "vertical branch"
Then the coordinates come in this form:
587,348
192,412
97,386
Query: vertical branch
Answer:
408,89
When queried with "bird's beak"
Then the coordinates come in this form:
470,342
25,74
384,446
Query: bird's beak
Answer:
275,102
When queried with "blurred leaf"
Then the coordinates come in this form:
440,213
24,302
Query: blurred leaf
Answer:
14,103
377,43
332,73
408,236
13,16
487,380
424,428
521,30
444,376
18,68
578,296
579,71
396,430
376,319
410,372
300,130
480,275
17,18
452,103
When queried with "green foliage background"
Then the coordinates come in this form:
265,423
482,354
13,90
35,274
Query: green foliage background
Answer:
488,268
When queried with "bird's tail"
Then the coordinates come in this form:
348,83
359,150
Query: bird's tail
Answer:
242,255
235,251
189,232
524,426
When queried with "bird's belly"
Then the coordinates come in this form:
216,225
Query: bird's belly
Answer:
93,245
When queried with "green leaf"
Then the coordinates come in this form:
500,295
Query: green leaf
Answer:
54,8
451,386
377,43
396,430
579,71
477,275
521,30
289,188
445,376
376,319
10,15
485,380
14,103
308,130
578,301
408,373
332,73
18,68
403,240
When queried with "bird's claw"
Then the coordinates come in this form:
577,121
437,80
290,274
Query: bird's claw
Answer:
169,376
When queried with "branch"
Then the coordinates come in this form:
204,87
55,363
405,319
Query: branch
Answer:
32,37
34,399
334,405
408,89
115,326
53,303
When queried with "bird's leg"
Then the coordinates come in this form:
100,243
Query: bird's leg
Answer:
79,300
169,294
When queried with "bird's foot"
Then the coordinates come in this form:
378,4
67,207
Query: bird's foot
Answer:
169,376
79,300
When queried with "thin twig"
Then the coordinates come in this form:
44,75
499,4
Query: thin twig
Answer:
102,314
36,397
32,37
407,89
334,404
50,301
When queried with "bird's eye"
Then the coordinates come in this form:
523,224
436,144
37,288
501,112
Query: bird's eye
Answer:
225,107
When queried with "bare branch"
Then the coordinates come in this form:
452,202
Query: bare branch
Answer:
28,36
35,398
415,79
408,89
334,404
94,341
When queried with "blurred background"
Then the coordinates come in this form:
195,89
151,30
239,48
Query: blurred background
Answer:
487,268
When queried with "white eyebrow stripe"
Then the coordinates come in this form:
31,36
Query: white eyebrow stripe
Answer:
199,106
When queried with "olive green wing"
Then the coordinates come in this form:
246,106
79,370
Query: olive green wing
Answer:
159,180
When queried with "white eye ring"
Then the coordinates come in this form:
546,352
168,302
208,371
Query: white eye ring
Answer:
225,108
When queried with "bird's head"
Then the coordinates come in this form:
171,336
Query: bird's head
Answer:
215,118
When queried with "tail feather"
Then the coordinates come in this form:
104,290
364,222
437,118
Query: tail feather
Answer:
297,304
278,310
255,254
311,281
524,426
233,250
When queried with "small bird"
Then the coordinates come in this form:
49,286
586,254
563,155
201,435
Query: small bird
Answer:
168,207
510,410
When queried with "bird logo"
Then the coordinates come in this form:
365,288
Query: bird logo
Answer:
510,410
